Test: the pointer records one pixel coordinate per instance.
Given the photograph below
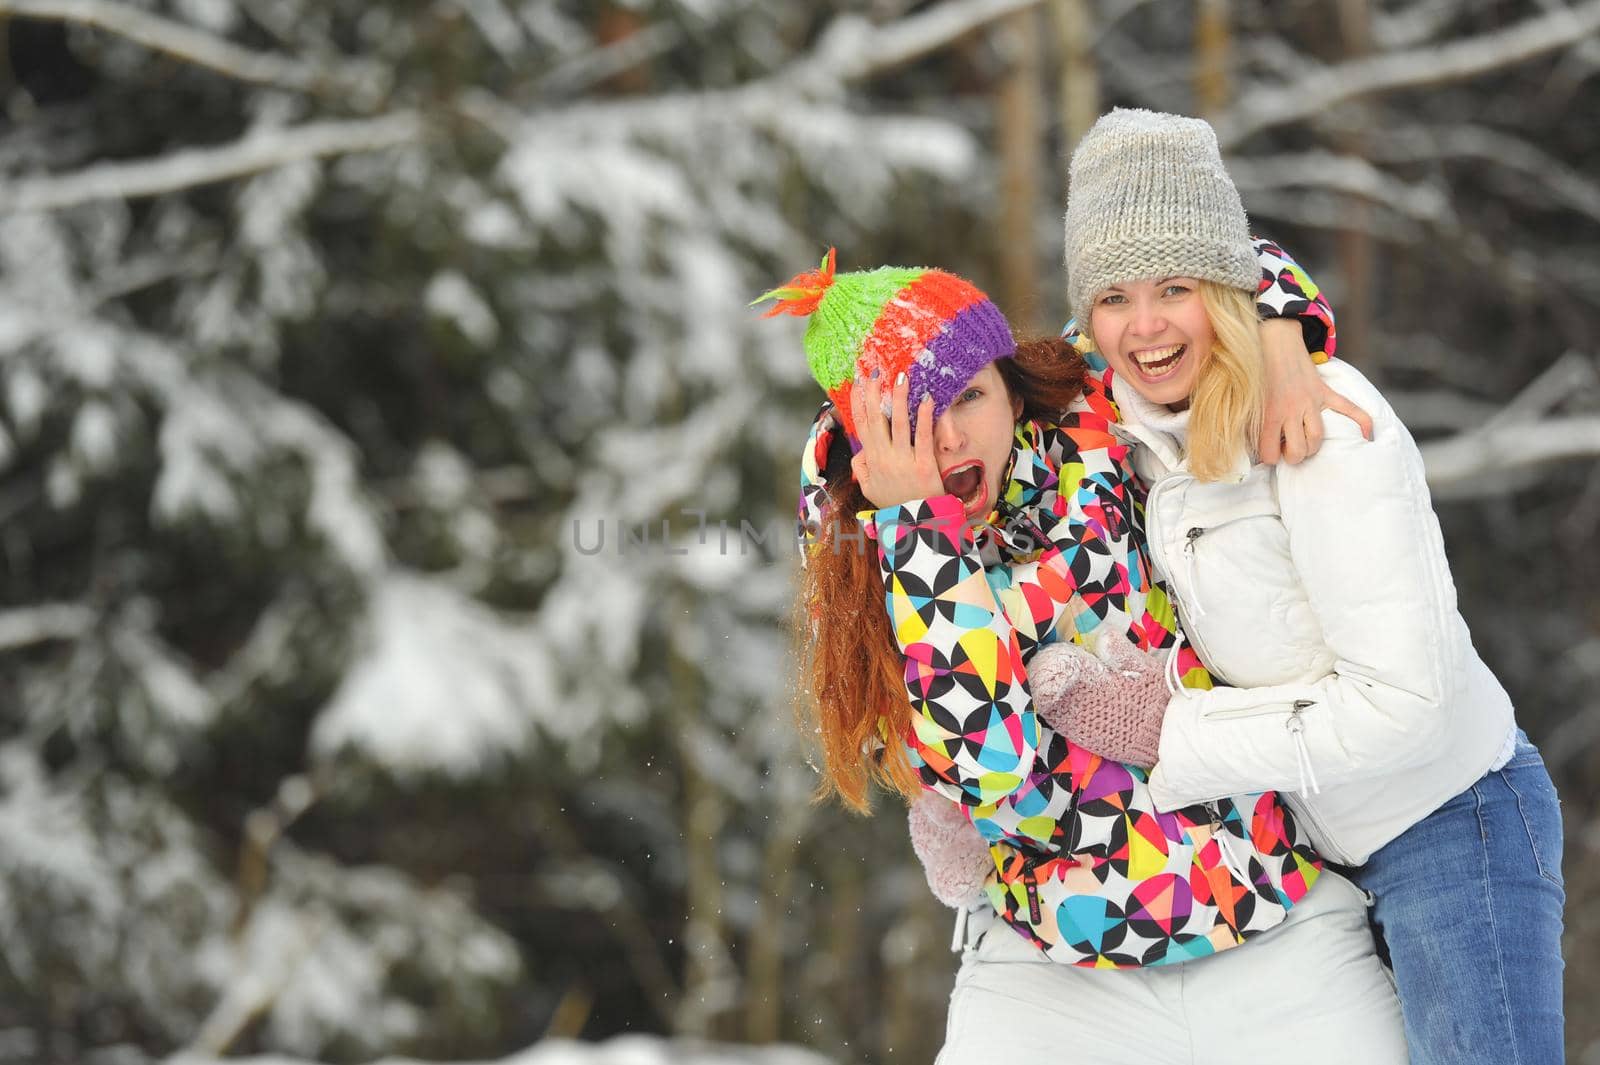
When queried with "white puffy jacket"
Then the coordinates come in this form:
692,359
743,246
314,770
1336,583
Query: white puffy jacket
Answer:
1321,592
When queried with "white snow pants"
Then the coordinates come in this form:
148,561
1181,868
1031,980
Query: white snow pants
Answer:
1310,991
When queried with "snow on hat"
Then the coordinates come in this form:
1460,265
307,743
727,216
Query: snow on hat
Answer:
1148,197
935,327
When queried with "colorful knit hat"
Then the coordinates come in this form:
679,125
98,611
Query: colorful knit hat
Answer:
935,327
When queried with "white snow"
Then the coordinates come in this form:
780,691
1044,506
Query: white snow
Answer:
219,16
94,436
26,396
442,684
495,225
621,1050
451,296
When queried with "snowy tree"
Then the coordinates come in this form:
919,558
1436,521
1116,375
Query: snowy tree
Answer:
396,486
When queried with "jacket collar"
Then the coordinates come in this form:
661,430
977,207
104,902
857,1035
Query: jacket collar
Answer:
1162,431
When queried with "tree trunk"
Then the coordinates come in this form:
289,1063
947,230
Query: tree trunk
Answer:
613,25
1356,252
708,980
764,982
1020,136
1079,86
1212,42
1080,76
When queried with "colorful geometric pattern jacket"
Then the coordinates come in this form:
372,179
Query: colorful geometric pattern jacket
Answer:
1085,866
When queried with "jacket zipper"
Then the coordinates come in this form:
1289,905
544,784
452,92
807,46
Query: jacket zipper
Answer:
1193,534
1151,516
1297,804
1328,845
1295,723
1240,869
1266,710
1194,584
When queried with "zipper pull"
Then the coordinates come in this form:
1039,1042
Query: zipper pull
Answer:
1302,753
1194,588
1237,866
1170,671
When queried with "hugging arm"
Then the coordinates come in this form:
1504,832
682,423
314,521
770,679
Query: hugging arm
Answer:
1297,322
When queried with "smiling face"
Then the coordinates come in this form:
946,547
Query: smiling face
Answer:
973,440
1156,335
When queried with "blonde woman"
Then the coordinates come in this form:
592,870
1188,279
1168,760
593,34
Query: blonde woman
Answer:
1322,595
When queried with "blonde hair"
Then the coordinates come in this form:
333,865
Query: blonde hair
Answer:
1230,393
1226,405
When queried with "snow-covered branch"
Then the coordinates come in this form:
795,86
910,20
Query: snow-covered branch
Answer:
1586,54
1520,436
26,626
1562,185
609,60
853,49
183,41
1341,173
1438,409
260,149
1265,107
1412,26
1569,375
1477,463
1112,14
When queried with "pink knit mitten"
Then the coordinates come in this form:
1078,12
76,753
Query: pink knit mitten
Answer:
1110,703
954,857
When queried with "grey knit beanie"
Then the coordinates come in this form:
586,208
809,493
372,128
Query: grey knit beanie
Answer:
1148,198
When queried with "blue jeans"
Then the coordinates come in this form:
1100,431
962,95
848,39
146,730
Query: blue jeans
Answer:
1469,902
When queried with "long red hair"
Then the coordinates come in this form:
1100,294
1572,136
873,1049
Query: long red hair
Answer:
853,676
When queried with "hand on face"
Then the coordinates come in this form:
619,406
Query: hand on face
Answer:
965,453
890,468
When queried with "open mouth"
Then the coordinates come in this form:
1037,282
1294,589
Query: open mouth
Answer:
1156,363
965,482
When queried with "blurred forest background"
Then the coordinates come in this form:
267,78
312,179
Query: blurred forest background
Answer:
333,333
